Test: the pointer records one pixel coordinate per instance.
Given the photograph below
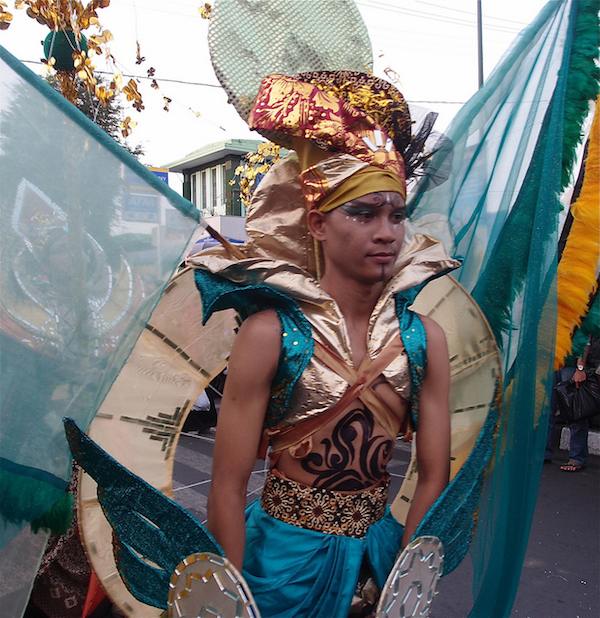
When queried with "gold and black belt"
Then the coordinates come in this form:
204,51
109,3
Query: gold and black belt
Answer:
324,510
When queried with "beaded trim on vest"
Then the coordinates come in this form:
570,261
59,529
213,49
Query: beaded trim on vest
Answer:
332,512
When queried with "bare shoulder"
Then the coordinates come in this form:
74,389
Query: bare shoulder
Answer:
259,337
264,324
437,376
436,337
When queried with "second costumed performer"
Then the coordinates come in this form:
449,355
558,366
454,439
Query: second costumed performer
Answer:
330,365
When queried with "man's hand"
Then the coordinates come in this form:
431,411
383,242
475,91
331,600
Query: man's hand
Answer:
579,377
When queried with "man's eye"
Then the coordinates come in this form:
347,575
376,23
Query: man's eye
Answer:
364,214
399,216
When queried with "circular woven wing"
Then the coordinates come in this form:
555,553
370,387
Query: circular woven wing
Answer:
250,39
140,420
475,369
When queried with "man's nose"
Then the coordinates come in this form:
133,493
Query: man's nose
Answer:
386,231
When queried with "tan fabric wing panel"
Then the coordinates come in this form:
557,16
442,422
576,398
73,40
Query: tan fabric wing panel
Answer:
140,420
474,367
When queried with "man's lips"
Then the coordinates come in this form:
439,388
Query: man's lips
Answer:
382,257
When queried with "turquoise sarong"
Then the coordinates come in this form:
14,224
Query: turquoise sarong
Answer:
300,573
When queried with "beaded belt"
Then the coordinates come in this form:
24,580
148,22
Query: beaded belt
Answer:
324,510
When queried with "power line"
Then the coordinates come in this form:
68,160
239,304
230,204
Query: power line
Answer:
158,79
377,4
454,10
192,83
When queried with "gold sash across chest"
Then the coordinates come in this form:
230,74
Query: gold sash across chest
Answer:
360,383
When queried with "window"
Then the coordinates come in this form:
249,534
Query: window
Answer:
213,187
203,200
193,196
223,200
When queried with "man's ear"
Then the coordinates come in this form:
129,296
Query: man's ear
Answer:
316,224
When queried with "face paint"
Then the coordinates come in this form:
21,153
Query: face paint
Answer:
367,208
371,230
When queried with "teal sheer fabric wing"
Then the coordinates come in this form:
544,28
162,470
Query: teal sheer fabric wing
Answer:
510,496
493,137
89,238
148,527
499,211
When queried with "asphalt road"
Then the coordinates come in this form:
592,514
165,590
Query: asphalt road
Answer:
561,574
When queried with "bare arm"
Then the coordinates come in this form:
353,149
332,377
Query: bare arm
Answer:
251,369
433,432
580,376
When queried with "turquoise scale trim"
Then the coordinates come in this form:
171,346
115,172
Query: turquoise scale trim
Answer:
297,346
414,338
452,516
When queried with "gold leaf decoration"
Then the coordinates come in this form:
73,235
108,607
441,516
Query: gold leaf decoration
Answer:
253,167
138,54
205,10
5,16
130,90
127,124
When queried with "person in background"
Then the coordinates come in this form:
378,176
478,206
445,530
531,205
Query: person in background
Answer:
588,368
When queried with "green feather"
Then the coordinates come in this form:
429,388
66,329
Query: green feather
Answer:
26,499
589,326
582,81
58,518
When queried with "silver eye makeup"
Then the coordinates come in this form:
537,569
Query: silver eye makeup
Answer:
365,214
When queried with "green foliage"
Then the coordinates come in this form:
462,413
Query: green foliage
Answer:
107,117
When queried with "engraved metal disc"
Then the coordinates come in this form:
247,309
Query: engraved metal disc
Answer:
412,583
205,585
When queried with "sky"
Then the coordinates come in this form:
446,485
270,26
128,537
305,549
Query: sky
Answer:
429,45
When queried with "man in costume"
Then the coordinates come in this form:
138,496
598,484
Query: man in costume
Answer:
330,365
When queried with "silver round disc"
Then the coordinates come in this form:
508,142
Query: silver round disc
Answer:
412,583
205,585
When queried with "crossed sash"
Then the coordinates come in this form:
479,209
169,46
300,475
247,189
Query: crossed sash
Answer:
360,386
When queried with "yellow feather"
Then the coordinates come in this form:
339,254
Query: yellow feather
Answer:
577,267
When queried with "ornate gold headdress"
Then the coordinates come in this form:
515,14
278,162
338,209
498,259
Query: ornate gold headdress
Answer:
319,114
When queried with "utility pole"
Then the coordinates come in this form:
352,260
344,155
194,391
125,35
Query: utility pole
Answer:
479,45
